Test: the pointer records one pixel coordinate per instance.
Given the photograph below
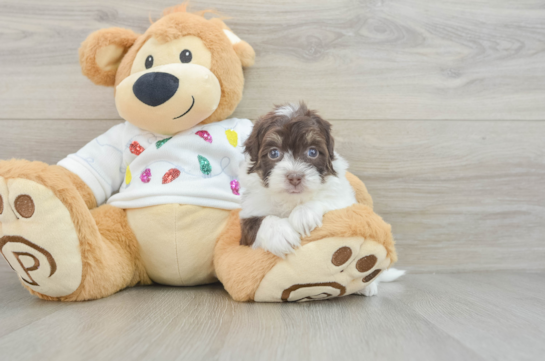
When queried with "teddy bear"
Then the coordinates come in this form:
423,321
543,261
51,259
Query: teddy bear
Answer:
156,199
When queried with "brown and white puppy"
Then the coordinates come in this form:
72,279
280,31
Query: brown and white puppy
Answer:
291,178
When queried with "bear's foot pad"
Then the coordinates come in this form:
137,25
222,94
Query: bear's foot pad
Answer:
331,267
38,238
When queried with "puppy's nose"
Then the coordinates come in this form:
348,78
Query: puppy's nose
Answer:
155,88
294,178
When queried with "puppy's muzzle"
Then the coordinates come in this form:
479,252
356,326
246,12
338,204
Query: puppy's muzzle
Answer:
295,178
155,88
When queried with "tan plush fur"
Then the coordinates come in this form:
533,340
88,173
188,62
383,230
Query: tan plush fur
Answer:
355,221
123,38
245,53
119,265
362,195
225,63
374,224
109,252
177,241
240,268
83,189
227,60
124,69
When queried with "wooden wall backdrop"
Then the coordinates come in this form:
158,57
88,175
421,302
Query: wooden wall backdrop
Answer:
438,105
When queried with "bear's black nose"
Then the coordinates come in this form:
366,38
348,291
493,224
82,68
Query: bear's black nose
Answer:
155,89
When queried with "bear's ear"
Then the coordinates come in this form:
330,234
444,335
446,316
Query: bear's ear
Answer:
101,53
244,51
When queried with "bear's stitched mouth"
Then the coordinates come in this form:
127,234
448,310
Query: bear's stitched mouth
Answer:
187,111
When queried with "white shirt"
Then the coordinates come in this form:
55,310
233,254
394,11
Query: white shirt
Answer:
198,166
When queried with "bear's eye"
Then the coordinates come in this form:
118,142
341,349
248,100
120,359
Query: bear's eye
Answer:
149,62
186,56
312,152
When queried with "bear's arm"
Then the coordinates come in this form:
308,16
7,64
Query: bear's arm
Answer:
362,195
99,164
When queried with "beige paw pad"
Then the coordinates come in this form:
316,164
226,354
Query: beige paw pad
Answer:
331,267
5,212
38,238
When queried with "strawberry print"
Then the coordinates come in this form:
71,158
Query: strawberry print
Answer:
145,177
205,135
136,148
235,187
171,175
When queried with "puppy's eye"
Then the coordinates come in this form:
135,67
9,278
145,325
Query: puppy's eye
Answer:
186,56
149,62
312,152
274,153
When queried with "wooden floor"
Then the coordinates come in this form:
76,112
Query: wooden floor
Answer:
477,316
439,106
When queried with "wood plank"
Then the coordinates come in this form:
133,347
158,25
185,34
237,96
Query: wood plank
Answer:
19,309
456,304
46,140
371,59
204,323
423,317
461,196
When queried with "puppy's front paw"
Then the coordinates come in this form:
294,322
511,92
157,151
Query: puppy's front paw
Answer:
370,290
306,217
277,236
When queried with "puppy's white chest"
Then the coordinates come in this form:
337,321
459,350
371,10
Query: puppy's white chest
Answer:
283,210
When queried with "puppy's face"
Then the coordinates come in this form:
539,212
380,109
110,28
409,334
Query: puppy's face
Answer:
291,149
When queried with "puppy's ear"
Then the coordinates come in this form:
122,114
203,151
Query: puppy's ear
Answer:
254,141
244,51
101,53
330,141
251,146
325,128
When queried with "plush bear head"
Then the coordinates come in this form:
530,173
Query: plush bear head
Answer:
182,71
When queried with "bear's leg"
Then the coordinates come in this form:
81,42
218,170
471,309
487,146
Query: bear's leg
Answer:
60,249
114,263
